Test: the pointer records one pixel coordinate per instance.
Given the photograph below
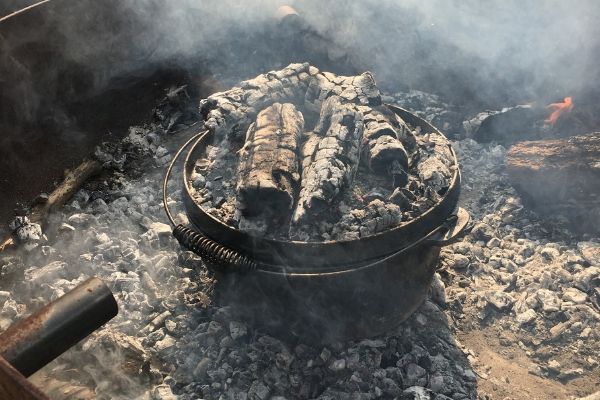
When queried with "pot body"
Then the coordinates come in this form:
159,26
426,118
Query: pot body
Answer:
325,307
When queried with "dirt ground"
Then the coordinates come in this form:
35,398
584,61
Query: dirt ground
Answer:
504,372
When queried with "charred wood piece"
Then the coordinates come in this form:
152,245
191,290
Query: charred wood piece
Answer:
231,112
385,135
434,172
269,169
434,168
330,158
560,177
508,125
360,90
382,153
73,181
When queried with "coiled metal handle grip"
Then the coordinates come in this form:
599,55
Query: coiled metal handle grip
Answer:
212,253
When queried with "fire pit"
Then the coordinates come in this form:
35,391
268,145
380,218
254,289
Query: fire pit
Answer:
361,285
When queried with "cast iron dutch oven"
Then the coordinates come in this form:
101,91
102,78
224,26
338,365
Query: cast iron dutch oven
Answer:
323,291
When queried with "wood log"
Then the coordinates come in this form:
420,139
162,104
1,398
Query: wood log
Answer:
560,177
330,160
269,169
558,170
63,192
384,134
231,112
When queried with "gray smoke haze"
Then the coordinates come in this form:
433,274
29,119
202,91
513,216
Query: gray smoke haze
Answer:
537,48
479,52
508,50
61,63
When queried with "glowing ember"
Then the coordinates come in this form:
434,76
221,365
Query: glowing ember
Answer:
558,109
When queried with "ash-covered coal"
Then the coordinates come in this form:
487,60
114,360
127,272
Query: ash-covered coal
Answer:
526,280
301,174
170,342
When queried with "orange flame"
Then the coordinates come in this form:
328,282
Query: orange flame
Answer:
558,109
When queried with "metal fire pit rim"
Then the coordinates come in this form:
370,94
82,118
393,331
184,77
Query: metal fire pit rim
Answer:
196,212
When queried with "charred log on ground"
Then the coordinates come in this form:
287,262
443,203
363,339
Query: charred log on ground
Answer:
560,176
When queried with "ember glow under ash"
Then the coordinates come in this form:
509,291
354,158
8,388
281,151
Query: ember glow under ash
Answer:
559,109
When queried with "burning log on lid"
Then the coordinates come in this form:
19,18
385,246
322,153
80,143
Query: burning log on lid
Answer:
330,158
385,151
359,89
231,112
281,169
269,170
434,168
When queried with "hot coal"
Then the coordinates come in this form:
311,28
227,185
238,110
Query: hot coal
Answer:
27,232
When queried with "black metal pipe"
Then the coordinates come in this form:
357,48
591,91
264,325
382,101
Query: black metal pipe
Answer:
33,342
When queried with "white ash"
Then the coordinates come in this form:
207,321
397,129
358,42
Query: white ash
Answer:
169,340
204,354
145,145
333,171
28,233
377,216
